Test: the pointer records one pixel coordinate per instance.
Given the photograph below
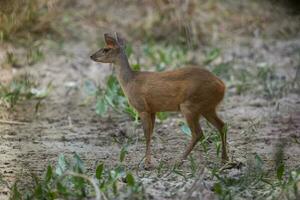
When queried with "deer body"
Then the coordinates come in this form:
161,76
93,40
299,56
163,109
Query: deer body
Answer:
193,91
166,91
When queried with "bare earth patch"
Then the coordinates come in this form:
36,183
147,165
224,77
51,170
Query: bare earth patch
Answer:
66,124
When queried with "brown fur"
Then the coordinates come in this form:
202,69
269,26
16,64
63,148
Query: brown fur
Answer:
166,91
193,91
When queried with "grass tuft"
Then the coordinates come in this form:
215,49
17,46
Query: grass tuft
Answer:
69,180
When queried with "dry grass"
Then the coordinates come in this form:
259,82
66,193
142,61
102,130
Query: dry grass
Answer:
191,22
26,21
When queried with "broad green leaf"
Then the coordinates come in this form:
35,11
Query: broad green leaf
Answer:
136,67
90,88
204,145
130,179
212,55
132,112
113,174
48,174
61,188
162,116
16,195
123,154
115,187
185,129
280,171
218,146
99,171
128,49
79,185
112,82
62,165
109,100
79,165
180,173
225,129
101,107
259,162
223,70
120,170
38,192
218,188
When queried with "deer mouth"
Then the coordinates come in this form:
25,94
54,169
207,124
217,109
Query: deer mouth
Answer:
93,57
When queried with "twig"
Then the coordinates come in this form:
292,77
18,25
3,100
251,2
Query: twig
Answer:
199,186
230,165
138,166
92,181
12,122
70,122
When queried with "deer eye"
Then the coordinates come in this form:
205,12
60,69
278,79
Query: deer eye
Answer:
106,50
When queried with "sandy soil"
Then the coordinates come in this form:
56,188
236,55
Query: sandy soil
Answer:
63,125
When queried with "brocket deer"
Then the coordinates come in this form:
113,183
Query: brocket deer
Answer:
191,90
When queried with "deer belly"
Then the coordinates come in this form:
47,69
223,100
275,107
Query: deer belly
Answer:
164,104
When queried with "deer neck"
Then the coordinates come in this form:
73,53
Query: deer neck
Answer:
123,70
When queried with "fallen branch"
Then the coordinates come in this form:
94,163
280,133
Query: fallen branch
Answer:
91,180
231,165
12,122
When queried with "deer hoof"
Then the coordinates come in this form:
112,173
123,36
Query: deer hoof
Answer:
149,166
225,159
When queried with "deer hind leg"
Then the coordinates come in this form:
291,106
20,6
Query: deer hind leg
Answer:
148,120
213,118
192,120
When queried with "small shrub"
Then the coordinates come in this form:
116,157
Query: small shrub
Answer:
21,88
113,97
212,55
69,180
162,56
256,183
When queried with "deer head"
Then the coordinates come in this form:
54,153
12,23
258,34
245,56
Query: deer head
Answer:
111,52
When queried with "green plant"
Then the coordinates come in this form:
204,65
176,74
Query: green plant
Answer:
273,86
22,88
234,187
256,183
213,137
160,168
112,97
11,59
185,129
34,55
244,81
212,55
279,161
261,79
193,165
162,116
179,172
162,56
223,70
289,187
69,180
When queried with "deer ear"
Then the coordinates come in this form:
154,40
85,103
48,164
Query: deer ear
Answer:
120,40
110,41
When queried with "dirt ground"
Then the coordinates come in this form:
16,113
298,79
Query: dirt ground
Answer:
65,125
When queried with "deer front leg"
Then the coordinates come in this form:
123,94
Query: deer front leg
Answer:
148,125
